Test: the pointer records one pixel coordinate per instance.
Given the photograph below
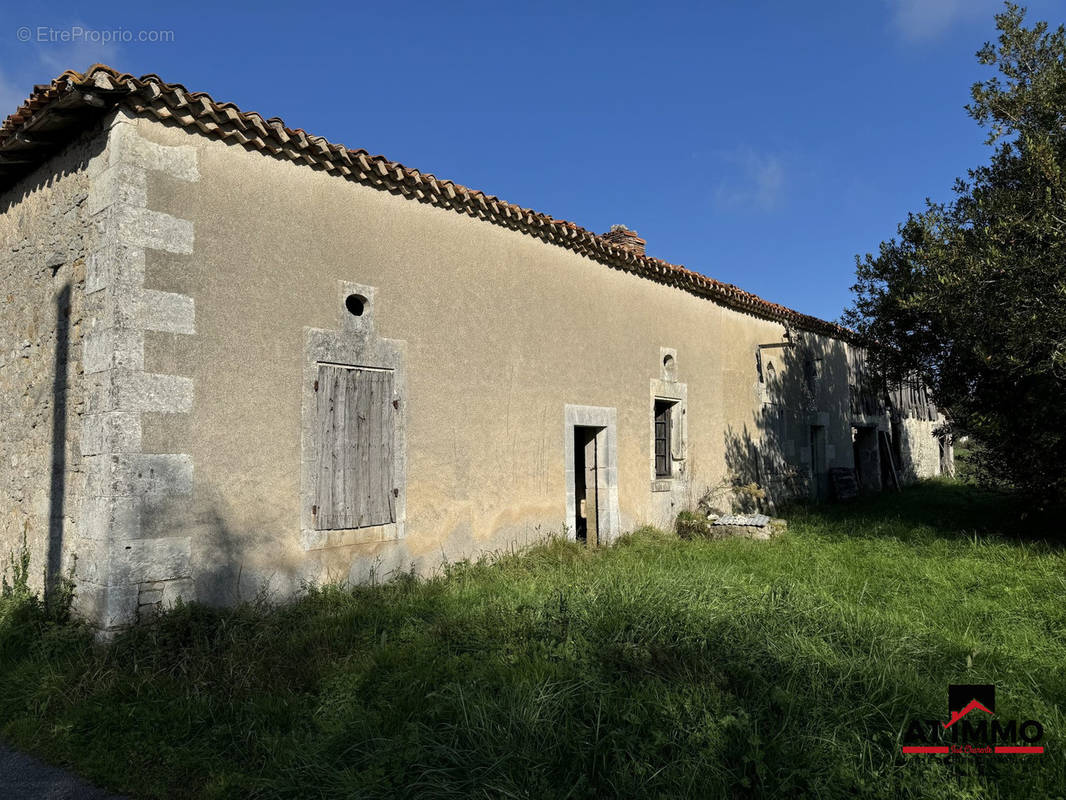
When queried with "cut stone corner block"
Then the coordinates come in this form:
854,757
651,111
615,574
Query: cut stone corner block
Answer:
123,573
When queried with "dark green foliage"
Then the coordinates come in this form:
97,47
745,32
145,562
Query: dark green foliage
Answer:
23,614
972,294
654,668
18,567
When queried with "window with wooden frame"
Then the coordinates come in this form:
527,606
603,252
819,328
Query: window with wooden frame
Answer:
663,437
812,372
354,470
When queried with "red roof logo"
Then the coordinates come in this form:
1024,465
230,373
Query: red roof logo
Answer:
973,705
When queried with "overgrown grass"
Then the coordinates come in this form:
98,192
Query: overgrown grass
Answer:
656,668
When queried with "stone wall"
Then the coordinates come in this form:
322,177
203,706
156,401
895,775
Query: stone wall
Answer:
920,449
45,239
74,476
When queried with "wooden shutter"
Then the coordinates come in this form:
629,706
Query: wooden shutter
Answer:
662,440
354,486
677,442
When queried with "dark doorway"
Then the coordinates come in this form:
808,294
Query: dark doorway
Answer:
819,473
889,475
586,504
897,445
867,461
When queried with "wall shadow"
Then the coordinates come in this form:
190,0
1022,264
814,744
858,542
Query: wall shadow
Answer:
69,159
58,471
949,510
802,426
222,568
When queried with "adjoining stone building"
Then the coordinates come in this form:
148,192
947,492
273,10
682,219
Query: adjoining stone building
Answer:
235,355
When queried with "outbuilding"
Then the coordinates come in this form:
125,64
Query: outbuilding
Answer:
235,356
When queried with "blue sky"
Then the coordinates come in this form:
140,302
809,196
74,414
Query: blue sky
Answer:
762,143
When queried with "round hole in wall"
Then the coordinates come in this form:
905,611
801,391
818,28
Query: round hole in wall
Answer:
669,367
355,303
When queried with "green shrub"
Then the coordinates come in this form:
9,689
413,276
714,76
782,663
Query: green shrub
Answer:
23,612
692,525
18,564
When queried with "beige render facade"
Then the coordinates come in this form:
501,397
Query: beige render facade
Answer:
189,289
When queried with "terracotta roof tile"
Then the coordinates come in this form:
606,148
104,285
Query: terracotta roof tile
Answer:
103,87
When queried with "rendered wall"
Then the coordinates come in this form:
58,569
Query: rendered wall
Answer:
501,333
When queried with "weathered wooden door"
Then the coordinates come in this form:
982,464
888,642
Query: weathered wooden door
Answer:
591,492
354,476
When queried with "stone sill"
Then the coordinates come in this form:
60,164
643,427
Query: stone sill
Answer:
320,540
662,485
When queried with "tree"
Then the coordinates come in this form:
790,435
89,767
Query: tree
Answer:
971,296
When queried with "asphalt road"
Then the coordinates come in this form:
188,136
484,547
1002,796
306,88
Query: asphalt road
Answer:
23,777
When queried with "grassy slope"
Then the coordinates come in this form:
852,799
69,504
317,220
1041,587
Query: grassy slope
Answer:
655,668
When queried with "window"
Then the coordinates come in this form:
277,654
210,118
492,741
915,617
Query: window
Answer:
812,371
776,422
663,437
354,463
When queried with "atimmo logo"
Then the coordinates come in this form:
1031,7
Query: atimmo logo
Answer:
971,729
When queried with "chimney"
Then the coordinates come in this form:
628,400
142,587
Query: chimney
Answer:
621,236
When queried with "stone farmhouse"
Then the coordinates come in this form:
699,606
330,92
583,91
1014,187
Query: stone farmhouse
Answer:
234,355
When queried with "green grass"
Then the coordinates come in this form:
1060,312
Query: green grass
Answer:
655,668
